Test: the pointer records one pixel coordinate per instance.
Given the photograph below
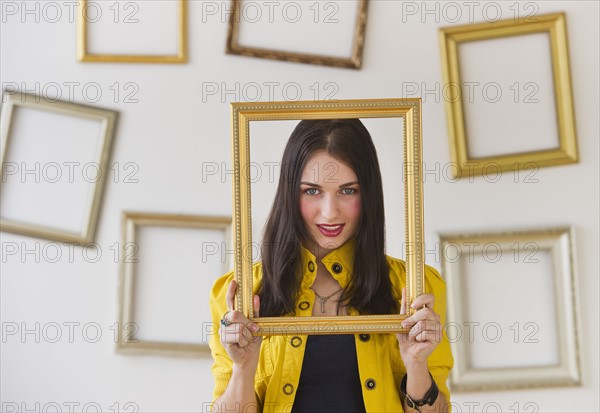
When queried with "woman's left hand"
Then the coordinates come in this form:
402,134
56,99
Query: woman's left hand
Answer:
425,331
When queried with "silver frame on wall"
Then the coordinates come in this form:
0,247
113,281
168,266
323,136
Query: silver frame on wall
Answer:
107,119
131,221
559,242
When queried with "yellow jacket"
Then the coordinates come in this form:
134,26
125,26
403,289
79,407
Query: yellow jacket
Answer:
379,363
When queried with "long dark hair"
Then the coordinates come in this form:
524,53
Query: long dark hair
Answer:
369,290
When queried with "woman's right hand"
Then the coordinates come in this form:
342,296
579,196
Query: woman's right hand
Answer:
237,339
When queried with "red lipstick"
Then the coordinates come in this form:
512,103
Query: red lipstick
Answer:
331,230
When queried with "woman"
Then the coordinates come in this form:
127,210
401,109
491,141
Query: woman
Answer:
324,255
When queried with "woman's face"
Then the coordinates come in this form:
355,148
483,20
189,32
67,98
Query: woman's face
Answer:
329,201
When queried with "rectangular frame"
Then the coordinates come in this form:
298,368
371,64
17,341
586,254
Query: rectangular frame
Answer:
82,42
108,119
242,115
555,26
353,62
559,242
130,221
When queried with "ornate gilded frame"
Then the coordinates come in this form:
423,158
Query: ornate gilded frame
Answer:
107,119
242,115
82,42
555,26
126,342
560,243
352,62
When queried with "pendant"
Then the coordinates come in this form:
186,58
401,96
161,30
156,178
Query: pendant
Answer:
323,301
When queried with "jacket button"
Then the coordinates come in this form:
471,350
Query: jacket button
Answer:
304,305
288,389
296,341
311,266
370,384
337,268
364,337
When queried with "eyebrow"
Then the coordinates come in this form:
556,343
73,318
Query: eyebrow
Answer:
319,186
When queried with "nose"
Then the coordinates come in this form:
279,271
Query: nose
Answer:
330,208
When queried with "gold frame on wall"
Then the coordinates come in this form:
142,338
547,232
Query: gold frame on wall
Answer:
107,119
555,26
82,42
560,243
242,115
130,221
353,62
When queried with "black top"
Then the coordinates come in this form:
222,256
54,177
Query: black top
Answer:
329,381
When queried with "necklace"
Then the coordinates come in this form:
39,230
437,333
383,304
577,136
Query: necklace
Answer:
323,300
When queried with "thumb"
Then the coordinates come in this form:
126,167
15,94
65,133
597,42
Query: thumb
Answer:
403,302
256,306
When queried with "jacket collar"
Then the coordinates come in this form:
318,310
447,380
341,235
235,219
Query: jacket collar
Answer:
339,262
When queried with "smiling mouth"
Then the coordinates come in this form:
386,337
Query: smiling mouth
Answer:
331,230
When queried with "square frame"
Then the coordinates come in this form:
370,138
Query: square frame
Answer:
410,111
559,241
82,42
555,26
108,119
352,62
130,222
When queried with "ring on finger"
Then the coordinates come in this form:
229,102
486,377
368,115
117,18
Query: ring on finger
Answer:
225,322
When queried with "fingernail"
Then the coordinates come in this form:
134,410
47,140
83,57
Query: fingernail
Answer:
254,328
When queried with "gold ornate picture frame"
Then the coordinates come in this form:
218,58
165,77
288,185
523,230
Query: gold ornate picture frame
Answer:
354,61
532,339
83,55
554,25
242,116
56,171
135,249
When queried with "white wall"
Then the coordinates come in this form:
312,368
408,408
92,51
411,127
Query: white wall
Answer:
175,128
